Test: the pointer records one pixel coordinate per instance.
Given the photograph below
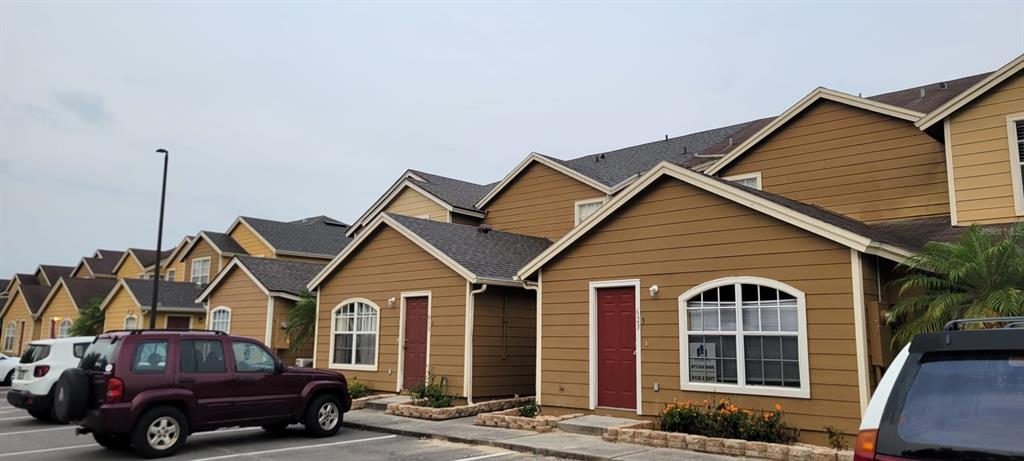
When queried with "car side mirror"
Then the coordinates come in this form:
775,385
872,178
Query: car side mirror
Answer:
278,366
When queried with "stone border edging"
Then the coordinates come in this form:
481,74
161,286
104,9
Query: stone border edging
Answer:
643,433
510,419
360,403
440,414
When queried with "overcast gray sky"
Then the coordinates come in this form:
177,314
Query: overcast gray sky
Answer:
289,110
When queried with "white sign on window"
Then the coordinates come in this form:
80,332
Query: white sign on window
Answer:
703,367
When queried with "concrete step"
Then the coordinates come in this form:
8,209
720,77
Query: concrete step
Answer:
382,404
592,424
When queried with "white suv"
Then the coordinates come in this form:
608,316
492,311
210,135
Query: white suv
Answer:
40,366
952,395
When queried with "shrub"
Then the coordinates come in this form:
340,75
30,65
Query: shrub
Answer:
836,439
358,389
430,394
725,420
529,409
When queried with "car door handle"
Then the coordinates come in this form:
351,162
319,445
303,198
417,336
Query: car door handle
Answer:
187,381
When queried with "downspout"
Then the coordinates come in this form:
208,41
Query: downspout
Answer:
467,379
535,287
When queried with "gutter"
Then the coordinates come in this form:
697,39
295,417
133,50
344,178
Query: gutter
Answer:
535,288
467,378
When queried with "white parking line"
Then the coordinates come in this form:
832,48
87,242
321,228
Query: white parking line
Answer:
46,450
492,455
10,410
38,430
301,447
15,417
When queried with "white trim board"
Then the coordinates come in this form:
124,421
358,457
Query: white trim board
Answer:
1015,174
376,353
592,347
995,78
860,330
813,97
728,192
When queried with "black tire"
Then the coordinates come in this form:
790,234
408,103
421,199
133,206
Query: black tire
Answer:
42,416
279,428
112,441
161,418
314,416
70,395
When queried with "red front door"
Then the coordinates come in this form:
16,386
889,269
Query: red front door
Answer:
179,322
616,347
415,354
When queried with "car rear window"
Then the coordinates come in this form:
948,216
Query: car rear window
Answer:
99,354
962,405
35,353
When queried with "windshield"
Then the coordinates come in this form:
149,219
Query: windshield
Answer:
963,404
99,354
35,353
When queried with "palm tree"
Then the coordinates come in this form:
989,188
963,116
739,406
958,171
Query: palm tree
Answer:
981,275
301,322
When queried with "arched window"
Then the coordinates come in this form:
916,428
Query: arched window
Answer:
9,336
744,335
354,335
220,319
65,328
131,322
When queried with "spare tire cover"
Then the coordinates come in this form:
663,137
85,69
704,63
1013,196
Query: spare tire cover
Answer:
70,395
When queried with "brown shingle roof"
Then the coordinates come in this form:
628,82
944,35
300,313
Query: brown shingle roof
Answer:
935,94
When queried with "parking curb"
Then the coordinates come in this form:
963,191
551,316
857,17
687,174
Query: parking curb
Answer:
491,443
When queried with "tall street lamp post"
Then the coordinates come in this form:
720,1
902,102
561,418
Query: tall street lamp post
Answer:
159,243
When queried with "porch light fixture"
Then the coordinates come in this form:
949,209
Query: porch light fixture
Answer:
653,290
391,301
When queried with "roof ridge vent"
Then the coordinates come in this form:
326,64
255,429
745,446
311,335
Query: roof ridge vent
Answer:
943,85
730,141
922,92
484,228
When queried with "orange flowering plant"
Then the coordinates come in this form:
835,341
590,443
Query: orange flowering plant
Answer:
725,419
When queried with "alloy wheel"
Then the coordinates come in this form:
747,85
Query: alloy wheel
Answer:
163,432
328,416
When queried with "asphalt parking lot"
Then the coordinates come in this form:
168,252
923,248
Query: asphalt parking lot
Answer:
24,438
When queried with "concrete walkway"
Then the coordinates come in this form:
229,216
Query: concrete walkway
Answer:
558,444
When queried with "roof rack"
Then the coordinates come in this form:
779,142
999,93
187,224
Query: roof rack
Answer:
1011,322
164,330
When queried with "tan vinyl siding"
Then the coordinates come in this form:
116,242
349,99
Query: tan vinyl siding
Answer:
60,306
386,265
117,310
250,242
677,236
504,342
281,309
409,202
247,302
18,312
82,272
862,164
129,269
539,202
981,154
203,249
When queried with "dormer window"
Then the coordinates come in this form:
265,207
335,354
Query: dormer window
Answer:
585,208
751,180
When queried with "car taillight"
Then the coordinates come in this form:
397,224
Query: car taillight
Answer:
115,389
864,450
40,371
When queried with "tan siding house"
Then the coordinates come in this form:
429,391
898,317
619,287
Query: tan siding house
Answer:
409,202
250,241
128,304
540,201
22,303
60,308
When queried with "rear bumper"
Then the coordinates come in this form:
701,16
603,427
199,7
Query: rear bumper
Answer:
111,418
29,401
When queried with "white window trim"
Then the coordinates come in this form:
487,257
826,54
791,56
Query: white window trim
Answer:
738,177
124,323
209,270
376,351
209,317
1018,184
9,332
60,328
170,275
592,371
401,332
576,208
803,392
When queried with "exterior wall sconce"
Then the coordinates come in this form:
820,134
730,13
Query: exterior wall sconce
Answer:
653,290
391,301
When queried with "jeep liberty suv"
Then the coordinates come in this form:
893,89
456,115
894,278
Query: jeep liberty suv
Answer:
150,389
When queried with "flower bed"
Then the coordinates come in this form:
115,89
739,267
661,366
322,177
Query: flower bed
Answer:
511,419
438,414
643,433
360,403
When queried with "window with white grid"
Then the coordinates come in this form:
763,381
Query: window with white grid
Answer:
201,270
354,335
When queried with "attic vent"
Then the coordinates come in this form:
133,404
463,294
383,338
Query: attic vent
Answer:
666,137
598,158
922,92
943,85
484,228
730,141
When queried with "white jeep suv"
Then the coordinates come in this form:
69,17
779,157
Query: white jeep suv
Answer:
952,395
42,363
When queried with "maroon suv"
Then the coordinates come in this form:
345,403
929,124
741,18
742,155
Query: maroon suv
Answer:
150,389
